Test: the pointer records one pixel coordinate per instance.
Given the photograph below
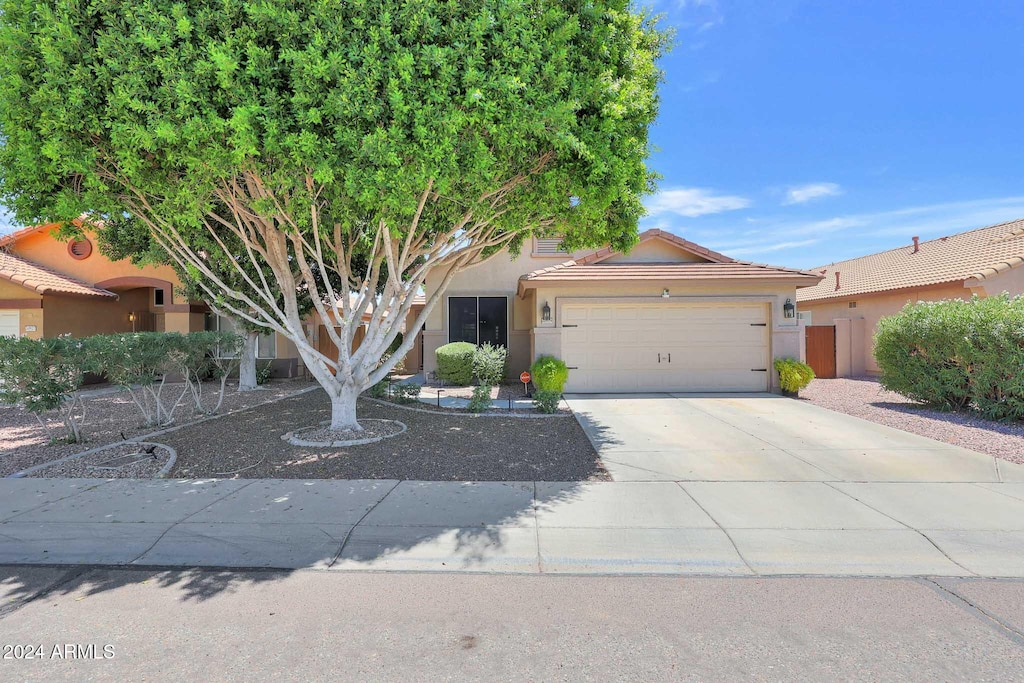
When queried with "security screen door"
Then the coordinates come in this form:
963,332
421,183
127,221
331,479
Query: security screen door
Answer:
478,319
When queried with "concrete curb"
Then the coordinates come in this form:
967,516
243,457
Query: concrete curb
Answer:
296,441
462,413
173,457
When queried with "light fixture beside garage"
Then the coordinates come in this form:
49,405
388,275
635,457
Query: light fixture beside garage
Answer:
664,293
545,313
788,309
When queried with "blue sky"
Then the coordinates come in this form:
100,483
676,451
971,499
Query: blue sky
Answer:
800,133
804,132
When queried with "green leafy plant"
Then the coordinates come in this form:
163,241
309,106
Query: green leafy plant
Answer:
379,390
793,375
346,153
549,374
264,372
489,364
46,375
957,354
406,392
546,400
455,363
480,402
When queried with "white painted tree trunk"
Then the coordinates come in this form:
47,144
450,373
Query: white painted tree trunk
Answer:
343,407
247,368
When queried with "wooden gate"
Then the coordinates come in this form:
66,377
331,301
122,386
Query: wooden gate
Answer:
821,350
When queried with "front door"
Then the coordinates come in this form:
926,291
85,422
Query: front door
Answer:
478,320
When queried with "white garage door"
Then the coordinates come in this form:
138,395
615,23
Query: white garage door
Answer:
666,347
10,323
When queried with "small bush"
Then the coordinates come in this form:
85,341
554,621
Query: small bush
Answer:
489,364
481,400
793,375
957,354
46,375
546,400
264,372
379,390
406,393
549,374
455,363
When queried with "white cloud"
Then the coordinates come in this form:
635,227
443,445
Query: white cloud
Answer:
693,201
766,247
801,194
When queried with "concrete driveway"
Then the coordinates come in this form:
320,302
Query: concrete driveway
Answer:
765,438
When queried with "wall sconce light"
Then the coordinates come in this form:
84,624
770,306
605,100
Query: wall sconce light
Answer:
788,309
664,293
545,313
131,317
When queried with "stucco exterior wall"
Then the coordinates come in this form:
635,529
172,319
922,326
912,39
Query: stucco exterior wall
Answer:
45,249
870,309
1011,281
86,316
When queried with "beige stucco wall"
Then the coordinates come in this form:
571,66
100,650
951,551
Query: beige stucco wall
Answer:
1011,281
870,309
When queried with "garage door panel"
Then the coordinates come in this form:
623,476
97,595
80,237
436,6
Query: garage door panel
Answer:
713,347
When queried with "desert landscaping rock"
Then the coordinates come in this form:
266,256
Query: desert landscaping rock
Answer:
117,461
325,437
456,447
864,397
111,418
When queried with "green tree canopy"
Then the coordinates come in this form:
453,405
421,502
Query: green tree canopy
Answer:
412,137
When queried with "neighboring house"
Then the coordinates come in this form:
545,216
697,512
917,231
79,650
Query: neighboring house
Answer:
50,286
843,309
668,316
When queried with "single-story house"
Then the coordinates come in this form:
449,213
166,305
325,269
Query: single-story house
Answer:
50,286
669,315
843,309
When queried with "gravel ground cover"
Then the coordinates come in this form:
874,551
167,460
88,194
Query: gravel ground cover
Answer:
122,461
864,397
435,447
502,392
24,443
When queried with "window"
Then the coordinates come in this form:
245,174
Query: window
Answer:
158,297
266,343
548,246
478,320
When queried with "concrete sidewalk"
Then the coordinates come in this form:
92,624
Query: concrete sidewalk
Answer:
706,527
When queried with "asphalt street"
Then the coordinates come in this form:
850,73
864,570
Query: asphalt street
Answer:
234,625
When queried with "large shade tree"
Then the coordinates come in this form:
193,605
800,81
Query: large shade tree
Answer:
353,149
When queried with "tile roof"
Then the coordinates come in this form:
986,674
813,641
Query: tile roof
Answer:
972,255
43,280
594,267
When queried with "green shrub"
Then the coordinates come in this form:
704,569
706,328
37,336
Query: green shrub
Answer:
549,374
406,393
546,400
793,375
489,364
455,363
379,390
46,375
264,372
957,354
481,400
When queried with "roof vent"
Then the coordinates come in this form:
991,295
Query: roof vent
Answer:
79,249
837,280
917,246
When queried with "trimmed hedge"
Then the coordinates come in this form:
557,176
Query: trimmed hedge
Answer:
455,362
549,374
793,375
957,354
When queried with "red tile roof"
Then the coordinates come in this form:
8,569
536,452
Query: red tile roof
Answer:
594,267
43,280
972,255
